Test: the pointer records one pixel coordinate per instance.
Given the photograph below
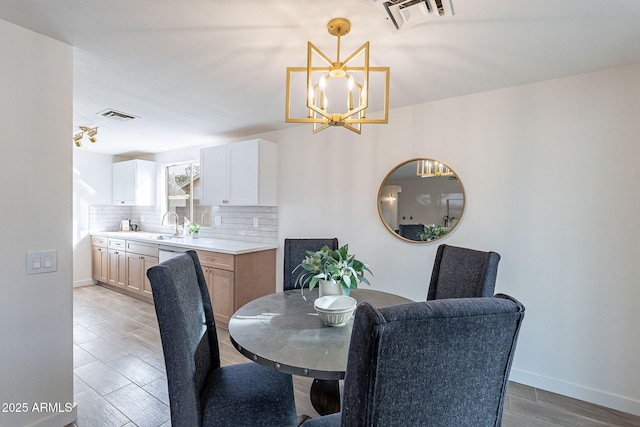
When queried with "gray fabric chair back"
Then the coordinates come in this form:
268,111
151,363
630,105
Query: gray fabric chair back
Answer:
294,252
438,363
188,332
463,273
411,231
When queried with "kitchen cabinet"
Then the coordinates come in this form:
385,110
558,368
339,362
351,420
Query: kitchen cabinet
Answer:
139,258
234,280
99,258
220,285
134,183
122,264
116,269
240,174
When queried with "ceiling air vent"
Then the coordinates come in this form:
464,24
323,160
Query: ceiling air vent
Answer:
404,13
117,115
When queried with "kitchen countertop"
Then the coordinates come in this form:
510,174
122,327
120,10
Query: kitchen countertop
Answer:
233,247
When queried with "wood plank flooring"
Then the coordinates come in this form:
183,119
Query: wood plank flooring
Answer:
119,374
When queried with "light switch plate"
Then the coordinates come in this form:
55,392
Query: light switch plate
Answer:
42,262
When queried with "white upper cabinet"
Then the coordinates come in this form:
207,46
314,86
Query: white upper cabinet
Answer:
240,174
134,183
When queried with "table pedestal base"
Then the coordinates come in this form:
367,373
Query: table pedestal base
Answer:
326,396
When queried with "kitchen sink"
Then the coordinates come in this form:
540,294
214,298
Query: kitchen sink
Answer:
164,237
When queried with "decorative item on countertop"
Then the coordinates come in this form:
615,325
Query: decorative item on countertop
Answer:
335,310
341,270
194,229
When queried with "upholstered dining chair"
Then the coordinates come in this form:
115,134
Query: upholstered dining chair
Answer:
294,252
411,231
201,392
435,363
463,273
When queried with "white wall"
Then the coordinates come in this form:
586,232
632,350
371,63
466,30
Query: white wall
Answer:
550,172
91,186
36,358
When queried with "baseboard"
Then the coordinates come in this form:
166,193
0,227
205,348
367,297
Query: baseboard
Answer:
86,282
577,391
58,419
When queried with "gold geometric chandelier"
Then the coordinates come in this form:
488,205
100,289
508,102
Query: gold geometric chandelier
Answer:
338,92
426,168
90,132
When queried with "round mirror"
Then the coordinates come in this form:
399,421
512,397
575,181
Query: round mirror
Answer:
421,200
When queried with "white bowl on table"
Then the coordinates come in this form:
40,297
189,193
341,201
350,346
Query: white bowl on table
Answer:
335,310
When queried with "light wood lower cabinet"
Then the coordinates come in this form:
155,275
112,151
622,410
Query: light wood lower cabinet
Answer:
99,259
220,284
137,266
116,272
234,280
140,257
123,264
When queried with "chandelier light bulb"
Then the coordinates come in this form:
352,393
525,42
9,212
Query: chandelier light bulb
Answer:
323,82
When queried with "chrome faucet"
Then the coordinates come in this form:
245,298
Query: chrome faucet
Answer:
177,221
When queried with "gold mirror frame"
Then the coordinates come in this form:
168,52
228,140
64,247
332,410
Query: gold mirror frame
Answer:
446,202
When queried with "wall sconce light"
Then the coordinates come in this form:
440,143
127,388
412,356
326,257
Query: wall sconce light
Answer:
90,132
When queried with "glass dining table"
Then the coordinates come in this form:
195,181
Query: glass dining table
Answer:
282,331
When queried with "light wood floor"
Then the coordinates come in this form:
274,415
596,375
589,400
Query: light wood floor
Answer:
119,374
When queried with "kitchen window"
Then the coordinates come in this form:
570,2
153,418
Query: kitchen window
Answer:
183,193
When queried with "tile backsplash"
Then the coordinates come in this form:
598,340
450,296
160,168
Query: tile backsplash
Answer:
229,222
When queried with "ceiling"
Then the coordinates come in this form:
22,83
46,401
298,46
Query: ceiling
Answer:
204,71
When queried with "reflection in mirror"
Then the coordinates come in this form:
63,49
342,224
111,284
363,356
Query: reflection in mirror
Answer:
421,200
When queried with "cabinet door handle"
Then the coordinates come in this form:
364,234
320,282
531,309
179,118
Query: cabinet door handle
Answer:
140,257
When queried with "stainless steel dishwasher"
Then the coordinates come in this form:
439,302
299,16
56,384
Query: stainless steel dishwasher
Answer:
167,252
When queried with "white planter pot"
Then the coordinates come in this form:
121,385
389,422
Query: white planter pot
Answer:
327,288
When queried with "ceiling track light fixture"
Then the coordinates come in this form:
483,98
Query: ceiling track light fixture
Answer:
84,130
345,83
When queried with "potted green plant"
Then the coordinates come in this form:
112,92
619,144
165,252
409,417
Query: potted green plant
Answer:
432,232
336,272
194,230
